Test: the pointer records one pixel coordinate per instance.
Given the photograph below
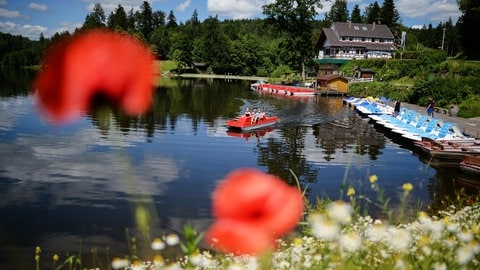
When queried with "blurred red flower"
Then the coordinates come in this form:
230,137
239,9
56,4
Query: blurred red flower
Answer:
96,64
252,209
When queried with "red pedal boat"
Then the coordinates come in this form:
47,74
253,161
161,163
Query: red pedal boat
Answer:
243,122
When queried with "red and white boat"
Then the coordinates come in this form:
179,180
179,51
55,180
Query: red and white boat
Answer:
288,90
245,123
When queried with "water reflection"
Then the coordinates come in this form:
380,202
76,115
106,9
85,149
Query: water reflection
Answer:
15,82
256,135
84,181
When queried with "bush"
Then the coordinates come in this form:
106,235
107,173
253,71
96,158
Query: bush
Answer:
378,89
470,108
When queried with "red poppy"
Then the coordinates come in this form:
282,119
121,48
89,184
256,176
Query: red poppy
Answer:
93,64
252,209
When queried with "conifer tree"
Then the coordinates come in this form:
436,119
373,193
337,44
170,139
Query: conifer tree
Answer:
338,12
96,18
355,16
390,15
468,27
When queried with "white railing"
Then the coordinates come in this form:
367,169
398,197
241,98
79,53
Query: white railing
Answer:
356,80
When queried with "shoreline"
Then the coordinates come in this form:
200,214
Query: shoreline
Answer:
219,76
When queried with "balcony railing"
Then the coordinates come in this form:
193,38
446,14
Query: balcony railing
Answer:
357,80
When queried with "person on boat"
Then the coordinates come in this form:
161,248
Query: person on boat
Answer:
247,112
396,109
254,116
257,116
430,106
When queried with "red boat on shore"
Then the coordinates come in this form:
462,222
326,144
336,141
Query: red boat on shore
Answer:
245,123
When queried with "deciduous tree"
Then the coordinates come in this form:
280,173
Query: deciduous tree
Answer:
295,17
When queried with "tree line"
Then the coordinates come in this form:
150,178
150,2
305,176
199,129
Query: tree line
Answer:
284,41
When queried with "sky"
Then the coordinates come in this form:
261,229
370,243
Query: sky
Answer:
29,18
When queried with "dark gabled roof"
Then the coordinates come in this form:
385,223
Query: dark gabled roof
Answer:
346,29
364,70
349,29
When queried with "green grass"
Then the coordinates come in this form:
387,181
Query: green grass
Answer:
167,65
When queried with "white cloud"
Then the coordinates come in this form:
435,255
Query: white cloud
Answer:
30,31
65,26
3,2
417,26
7,27
429,10
110,5
236,9
11,14
39,7
183,6
326,7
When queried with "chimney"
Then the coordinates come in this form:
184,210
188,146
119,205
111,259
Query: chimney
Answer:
349,24
373,28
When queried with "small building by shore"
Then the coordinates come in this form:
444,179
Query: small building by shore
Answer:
335,83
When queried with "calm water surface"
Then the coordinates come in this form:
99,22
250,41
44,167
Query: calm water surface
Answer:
79,186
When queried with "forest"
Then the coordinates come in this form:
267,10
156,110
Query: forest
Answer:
435,60
284,40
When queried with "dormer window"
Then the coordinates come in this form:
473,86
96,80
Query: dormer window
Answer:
356,27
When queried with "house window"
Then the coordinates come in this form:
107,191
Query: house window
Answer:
356,27
364,28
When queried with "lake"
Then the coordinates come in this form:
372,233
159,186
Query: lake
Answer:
76,187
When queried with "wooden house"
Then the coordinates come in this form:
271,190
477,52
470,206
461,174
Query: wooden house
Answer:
363,73
335,83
